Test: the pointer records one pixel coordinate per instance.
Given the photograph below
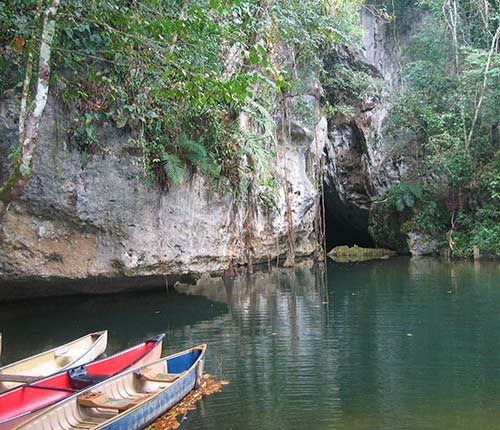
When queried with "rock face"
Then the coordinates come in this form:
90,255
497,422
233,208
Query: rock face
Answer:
362,160
102,222
348,185
421,244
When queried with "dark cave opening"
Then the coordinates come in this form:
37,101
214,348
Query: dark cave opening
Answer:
345,222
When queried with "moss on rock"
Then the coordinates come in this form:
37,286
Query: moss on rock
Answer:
344,254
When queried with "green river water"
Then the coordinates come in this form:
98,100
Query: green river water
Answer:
394,344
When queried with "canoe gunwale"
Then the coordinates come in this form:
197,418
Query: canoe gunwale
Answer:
192,372
45,361
158,339
172,385
151,398
98,334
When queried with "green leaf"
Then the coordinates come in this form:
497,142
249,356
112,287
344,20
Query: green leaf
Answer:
192,150
121,121
415,190
400,206
253,56
173,167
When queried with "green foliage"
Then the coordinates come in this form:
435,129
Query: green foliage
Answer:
15,154
481,229
431,216
172,166
157,69
85,135
439,111
407,207
16,21
347,82
402,196
386,226
176,75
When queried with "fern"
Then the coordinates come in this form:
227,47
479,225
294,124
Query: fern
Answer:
193,150
262,118
173,167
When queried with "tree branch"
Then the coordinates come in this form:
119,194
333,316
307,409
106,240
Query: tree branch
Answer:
479,103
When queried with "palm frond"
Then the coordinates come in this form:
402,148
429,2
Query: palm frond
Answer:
261,117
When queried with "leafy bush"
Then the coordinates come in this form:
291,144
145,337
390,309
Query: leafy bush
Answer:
449,110
481,229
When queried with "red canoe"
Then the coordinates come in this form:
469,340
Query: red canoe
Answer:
18,404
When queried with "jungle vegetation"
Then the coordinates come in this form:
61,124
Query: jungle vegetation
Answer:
176,74
447,117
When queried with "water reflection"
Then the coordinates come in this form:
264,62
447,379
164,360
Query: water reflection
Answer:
397,344
35,325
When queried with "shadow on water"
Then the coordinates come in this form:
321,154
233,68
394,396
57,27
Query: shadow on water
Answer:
40,324
384,344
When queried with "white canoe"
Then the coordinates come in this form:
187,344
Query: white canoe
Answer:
75,353
130,400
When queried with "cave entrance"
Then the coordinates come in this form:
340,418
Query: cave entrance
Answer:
346,223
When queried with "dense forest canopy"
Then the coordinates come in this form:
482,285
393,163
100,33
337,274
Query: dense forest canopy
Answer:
447,115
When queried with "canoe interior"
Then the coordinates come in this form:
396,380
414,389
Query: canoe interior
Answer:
74,353
151,398
31,398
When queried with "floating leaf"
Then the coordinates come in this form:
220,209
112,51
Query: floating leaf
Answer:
170,421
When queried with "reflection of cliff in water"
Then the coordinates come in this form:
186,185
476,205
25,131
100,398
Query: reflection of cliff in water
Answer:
243,290
377,355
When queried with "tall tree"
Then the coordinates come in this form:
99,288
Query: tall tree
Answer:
31,109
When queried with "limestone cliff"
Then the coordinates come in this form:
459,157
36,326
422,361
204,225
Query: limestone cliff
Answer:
102,221
362,160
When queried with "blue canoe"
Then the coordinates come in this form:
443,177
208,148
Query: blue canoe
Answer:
130,400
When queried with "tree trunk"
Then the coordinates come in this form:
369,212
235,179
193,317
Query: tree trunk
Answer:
29,122
493,48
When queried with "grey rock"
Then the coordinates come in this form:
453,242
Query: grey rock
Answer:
421,244
362,160
100,221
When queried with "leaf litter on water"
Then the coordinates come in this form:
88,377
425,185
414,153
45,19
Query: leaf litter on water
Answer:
173,418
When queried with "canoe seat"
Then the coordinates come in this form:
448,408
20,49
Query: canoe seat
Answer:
103,401
4,377
148,374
